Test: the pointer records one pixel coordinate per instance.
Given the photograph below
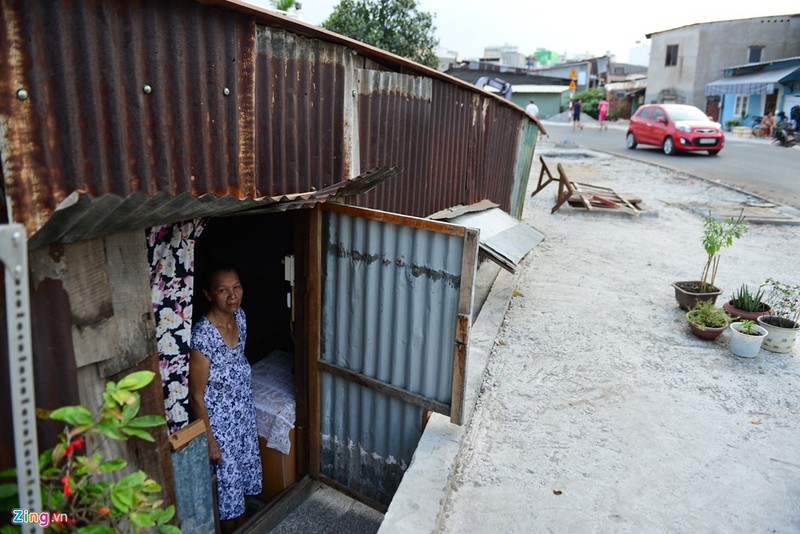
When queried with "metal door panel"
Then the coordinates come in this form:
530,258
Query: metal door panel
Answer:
396,302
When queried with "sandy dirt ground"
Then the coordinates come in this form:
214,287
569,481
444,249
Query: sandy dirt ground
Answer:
600,411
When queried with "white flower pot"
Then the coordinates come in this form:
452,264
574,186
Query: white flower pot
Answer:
745,345
779,339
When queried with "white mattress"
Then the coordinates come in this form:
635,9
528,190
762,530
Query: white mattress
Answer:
273,394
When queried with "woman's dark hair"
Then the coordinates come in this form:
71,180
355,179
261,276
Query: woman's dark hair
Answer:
206,277
213,270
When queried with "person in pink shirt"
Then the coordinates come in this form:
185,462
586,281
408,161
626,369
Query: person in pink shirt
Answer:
602,112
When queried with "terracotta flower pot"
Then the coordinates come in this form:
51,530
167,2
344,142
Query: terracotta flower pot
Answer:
687,293
736,313
708,332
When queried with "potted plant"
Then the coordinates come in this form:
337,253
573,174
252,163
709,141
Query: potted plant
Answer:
745,304
716,236
707,321
746,338
783,323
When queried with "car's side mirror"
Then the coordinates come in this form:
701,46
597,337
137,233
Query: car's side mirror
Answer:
662,120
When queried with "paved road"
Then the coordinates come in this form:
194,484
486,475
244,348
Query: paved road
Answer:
755,166
590,406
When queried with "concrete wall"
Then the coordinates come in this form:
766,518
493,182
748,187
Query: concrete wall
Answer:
705,50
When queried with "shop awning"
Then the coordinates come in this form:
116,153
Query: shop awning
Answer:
758,83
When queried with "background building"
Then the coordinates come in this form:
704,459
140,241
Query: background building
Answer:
684,60
505,55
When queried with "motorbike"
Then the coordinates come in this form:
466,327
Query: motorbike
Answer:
785,135
755,126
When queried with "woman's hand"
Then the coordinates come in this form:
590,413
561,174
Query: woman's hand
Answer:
214,455
199,367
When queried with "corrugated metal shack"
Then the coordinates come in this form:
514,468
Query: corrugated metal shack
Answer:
123,119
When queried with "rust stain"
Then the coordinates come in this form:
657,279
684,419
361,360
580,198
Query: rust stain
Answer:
205,99
57,252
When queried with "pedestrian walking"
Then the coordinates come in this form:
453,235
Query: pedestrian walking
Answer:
602,113
576,115
532,109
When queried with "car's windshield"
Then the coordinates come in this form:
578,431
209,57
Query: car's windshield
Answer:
687,114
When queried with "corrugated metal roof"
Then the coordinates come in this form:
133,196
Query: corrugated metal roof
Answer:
542,89
127,97
145,98
84,216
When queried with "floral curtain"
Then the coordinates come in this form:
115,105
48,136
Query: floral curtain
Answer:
171,257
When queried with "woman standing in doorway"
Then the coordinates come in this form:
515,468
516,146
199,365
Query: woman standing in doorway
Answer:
221,394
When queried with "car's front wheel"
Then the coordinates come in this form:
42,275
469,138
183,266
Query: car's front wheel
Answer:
713,152
630,141
669,146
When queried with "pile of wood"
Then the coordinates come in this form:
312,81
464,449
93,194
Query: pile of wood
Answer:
583,195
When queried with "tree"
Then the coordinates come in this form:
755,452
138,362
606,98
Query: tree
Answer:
393,25
589,100
283,5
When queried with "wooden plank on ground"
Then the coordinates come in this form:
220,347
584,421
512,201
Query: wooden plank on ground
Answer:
565,188
544,170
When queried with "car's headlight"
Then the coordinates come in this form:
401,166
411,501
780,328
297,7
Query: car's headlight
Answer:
683,128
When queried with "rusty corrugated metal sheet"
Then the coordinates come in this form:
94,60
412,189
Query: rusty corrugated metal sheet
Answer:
140,96
453,146
301,112
84,216
522,171
144,98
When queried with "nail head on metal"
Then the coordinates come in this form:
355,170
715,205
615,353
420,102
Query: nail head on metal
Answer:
226,91
147,89
22,94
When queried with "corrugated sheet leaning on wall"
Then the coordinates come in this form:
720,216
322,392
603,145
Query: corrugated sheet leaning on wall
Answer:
147,97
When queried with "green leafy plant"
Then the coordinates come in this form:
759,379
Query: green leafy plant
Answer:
716,236
731,123
784,299
393,25
283,5
706,315
744,299
77,487
590,98
748,327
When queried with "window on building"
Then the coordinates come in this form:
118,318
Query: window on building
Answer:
672,55
740,106
754,54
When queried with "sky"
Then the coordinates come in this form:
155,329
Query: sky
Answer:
467,26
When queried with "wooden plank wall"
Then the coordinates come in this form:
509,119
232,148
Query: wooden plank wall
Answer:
107,282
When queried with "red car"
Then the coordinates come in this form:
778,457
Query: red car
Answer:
675,127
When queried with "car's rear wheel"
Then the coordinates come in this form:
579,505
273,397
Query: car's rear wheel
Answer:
713,152
630,141
669,146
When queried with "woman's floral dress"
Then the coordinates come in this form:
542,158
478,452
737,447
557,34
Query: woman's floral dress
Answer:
232,415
